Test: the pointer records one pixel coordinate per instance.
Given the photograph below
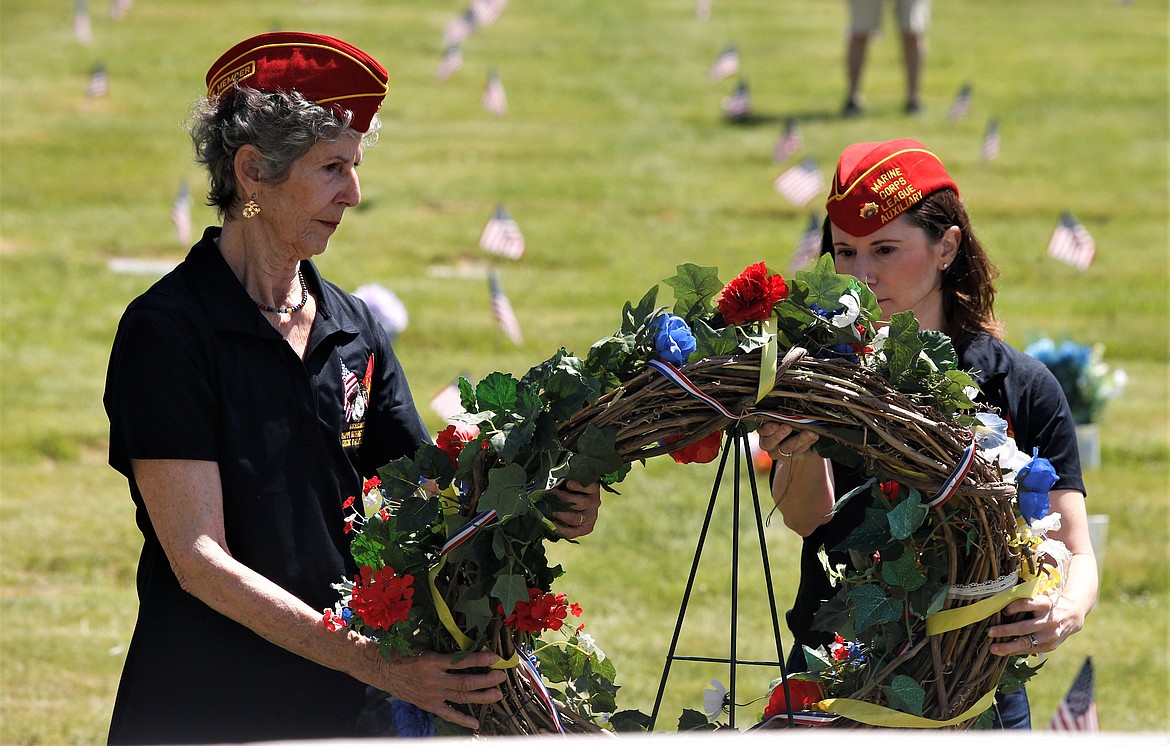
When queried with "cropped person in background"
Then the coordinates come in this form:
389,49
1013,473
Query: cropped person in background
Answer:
864,22
917,251
248,397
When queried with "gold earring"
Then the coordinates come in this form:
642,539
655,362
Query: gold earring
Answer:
251,209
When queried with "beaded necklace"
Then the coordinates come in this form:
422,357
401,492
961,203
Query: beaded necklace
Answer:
288,311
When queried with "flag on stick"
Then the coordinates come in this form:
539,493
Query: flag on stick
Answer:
452,61
486,12
801,183
1071,243
1078,709
118,8
447,402
502,310
460,29
181,214
739,104
962,104
494,99
82,29
789,143
702,9
502,236
725,65
99,82
808,246
990,142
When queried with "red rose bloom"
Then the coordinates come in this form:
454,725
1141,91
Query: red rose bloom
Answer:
751,296
804,695
454,439
382,598
700,452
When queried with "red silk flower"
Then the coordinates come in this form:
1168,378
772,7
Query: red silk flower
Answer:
540,612
454,439
701,452
382,598
804,695
751,296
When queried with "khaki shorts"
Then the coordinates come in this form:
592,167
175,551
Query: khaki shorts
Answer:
866,15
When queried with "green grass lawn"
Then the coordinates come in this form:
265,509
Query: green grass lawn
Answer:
616,162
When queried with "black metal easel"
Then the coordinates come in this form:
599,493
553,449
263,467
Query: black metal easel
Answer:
738,437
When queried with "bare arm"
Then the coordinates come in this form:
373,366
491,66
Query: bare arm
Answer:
803,487
1054,621
185,503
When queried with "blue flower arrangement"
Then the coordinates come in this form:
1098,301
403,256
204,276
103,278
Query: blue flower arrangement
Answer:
1087,381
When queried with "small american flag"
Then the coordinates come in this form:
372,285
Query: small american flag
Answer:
502,310
801,183
447,403
990,142
725,65
1071,243
702,9
99,82
962,104
1078,709
789,143
460,29
487,11
181,214
82,29
452,61
494,99
118,8
502,236
808,246
739,104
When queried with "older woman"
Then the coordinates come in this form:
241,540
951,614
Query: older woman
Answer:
895,221
248,398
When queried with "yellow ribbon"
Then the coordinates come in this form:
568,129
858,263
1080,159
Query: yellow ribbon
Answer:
945,621
448,619
871,714
768,355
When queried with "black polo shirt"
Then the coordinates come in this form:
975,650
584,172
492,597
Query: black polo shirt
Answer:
197,373
1026,394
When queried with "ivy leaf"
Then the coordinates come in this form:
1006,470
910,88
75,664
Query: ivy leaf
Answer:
833,616
905,694
939,349
417,513
902,348
476,611
712,343
816,659
691,720
630,721
554,663
596,454
907,516
903,572
506,492
820,284
399,478
510,590
634,317
871,535
694,287
497,392
873,606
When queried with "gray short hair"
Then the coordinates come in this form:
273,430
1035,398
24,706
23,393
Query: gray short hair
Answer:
282,126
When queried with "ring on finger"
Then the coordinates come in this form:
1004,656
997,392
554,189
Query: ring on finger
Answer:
580,519
784,454
1032,638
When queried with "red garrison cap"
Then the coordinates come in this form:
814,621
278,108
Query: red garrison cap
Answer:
878,181
326,71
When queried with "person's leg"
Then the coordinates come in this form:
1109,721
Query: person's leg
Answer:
1012,711
864,20
913,19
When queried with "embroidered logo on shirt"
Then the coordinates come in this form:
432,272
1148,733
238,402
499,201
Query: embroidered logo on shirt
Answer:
355,400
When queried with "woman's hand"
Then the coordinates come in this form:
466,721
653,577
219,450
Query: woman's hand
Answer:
436,682
783,442
580,515
1053,621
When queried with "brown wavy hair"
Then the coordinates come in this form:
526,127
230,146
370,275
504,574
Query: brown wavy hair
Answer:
968,284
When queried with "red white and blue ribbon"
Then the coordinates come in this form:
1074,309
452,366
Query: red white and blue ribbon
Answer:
956,478
675,376
469,529
529,672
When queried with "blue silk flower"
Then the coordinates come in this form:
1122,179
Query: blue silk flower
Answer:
411,721
1034,480
674,341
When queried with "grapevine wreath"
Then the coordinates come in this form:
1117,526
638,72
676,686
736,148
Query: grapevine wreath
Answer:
458,563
